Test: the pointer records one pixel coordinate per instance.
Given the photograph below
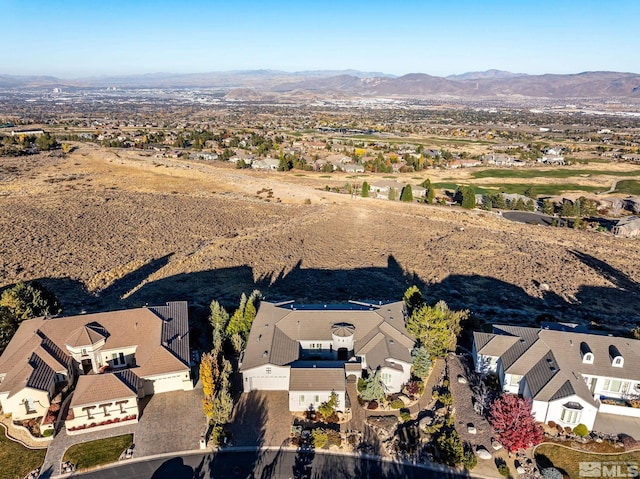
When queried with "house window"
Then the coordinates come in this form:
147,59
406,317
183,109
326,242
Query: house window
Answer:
615,386
317,399
60,377
84,352
117,359
301,399
571,413
514,380
386,378
267,370
30,404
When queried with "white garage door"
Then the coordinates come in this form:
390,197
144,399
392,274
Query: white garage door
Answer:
169,383
269,383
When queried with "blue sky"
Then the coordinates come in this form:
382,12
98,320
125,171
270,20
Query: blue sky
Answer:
76,38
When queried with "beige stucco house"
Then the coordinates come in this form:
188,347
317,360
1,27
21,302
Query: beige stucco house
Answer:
113,358
310,350
570,374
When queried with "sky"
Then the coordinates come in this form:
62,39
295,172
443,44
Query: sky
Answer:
84,38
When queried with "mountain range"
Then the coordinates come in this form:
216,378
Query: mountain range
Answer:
266,83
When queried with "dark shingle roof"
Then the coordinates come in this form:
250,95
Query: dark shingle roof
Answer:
175,328
42,376
540,374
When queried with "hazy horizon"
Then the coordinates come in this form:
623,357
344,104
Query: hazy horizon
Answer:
72,39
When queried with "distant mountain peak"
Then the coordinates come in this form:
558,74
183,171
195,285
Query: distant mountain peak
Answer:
493,73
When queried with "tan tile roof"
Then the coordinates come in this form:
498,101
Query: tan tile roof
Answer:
161,340
96,388
317,379
278,328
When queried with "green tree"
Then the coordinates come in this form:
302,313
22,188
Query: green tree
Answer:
393,194
519,205
222,407
436,327
328,408
30,300
498,201
530,206
529,193
365,189
421,364
468,197
487,204
567,209
548,208
430,192
373,389
46,142
412,299
451,447
407,194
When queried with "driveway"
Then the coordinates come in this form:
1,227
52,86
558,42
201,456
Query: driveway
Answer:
260,419
171,422
612,424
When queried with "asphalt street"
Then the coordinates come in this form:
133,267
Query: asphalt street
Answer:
278,464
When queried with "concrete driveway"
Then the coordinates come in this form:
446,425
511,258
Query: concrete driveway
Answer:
171,422
612,424
261,418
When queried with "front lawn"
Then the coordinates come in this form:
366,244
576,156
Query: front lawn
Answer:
16,460
568,460
95,453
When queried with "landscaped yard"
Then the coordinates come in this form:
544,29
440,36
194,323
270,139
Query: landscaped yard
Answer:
17,461
94,453
568,460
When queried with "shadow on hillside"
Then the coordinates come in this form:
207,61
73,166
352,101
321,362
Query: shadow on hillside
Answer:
489,298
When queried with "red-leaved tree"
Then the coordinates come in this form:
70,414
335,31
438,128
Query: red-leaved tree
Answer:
513,422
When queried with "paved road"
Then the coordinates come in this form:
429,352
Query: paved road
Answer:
528,217
272,464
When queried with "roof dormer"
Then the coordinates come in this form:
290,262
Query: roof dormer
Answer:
617,361
586,353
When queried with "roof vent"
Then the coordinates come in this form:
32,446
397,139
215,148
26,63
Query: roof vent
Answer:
259,338
391,341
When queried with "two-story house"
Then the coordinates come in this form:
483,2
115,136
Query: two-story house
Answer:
112,358
310,350
571,375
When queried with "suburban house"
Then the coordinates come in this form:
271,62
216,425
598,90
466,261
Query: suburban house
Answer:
381,188
113,358
310,350
628,227
572,376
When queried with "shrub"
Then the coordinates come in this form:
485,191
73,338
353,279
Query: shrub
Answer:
552,424
320,437
469,460
580,430
568,430
47,433
217,435
397,404
405,414
333,438
413,388
503,469
372,404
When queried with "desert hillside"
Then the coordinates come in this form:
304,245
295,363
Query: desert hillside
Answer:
105,229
